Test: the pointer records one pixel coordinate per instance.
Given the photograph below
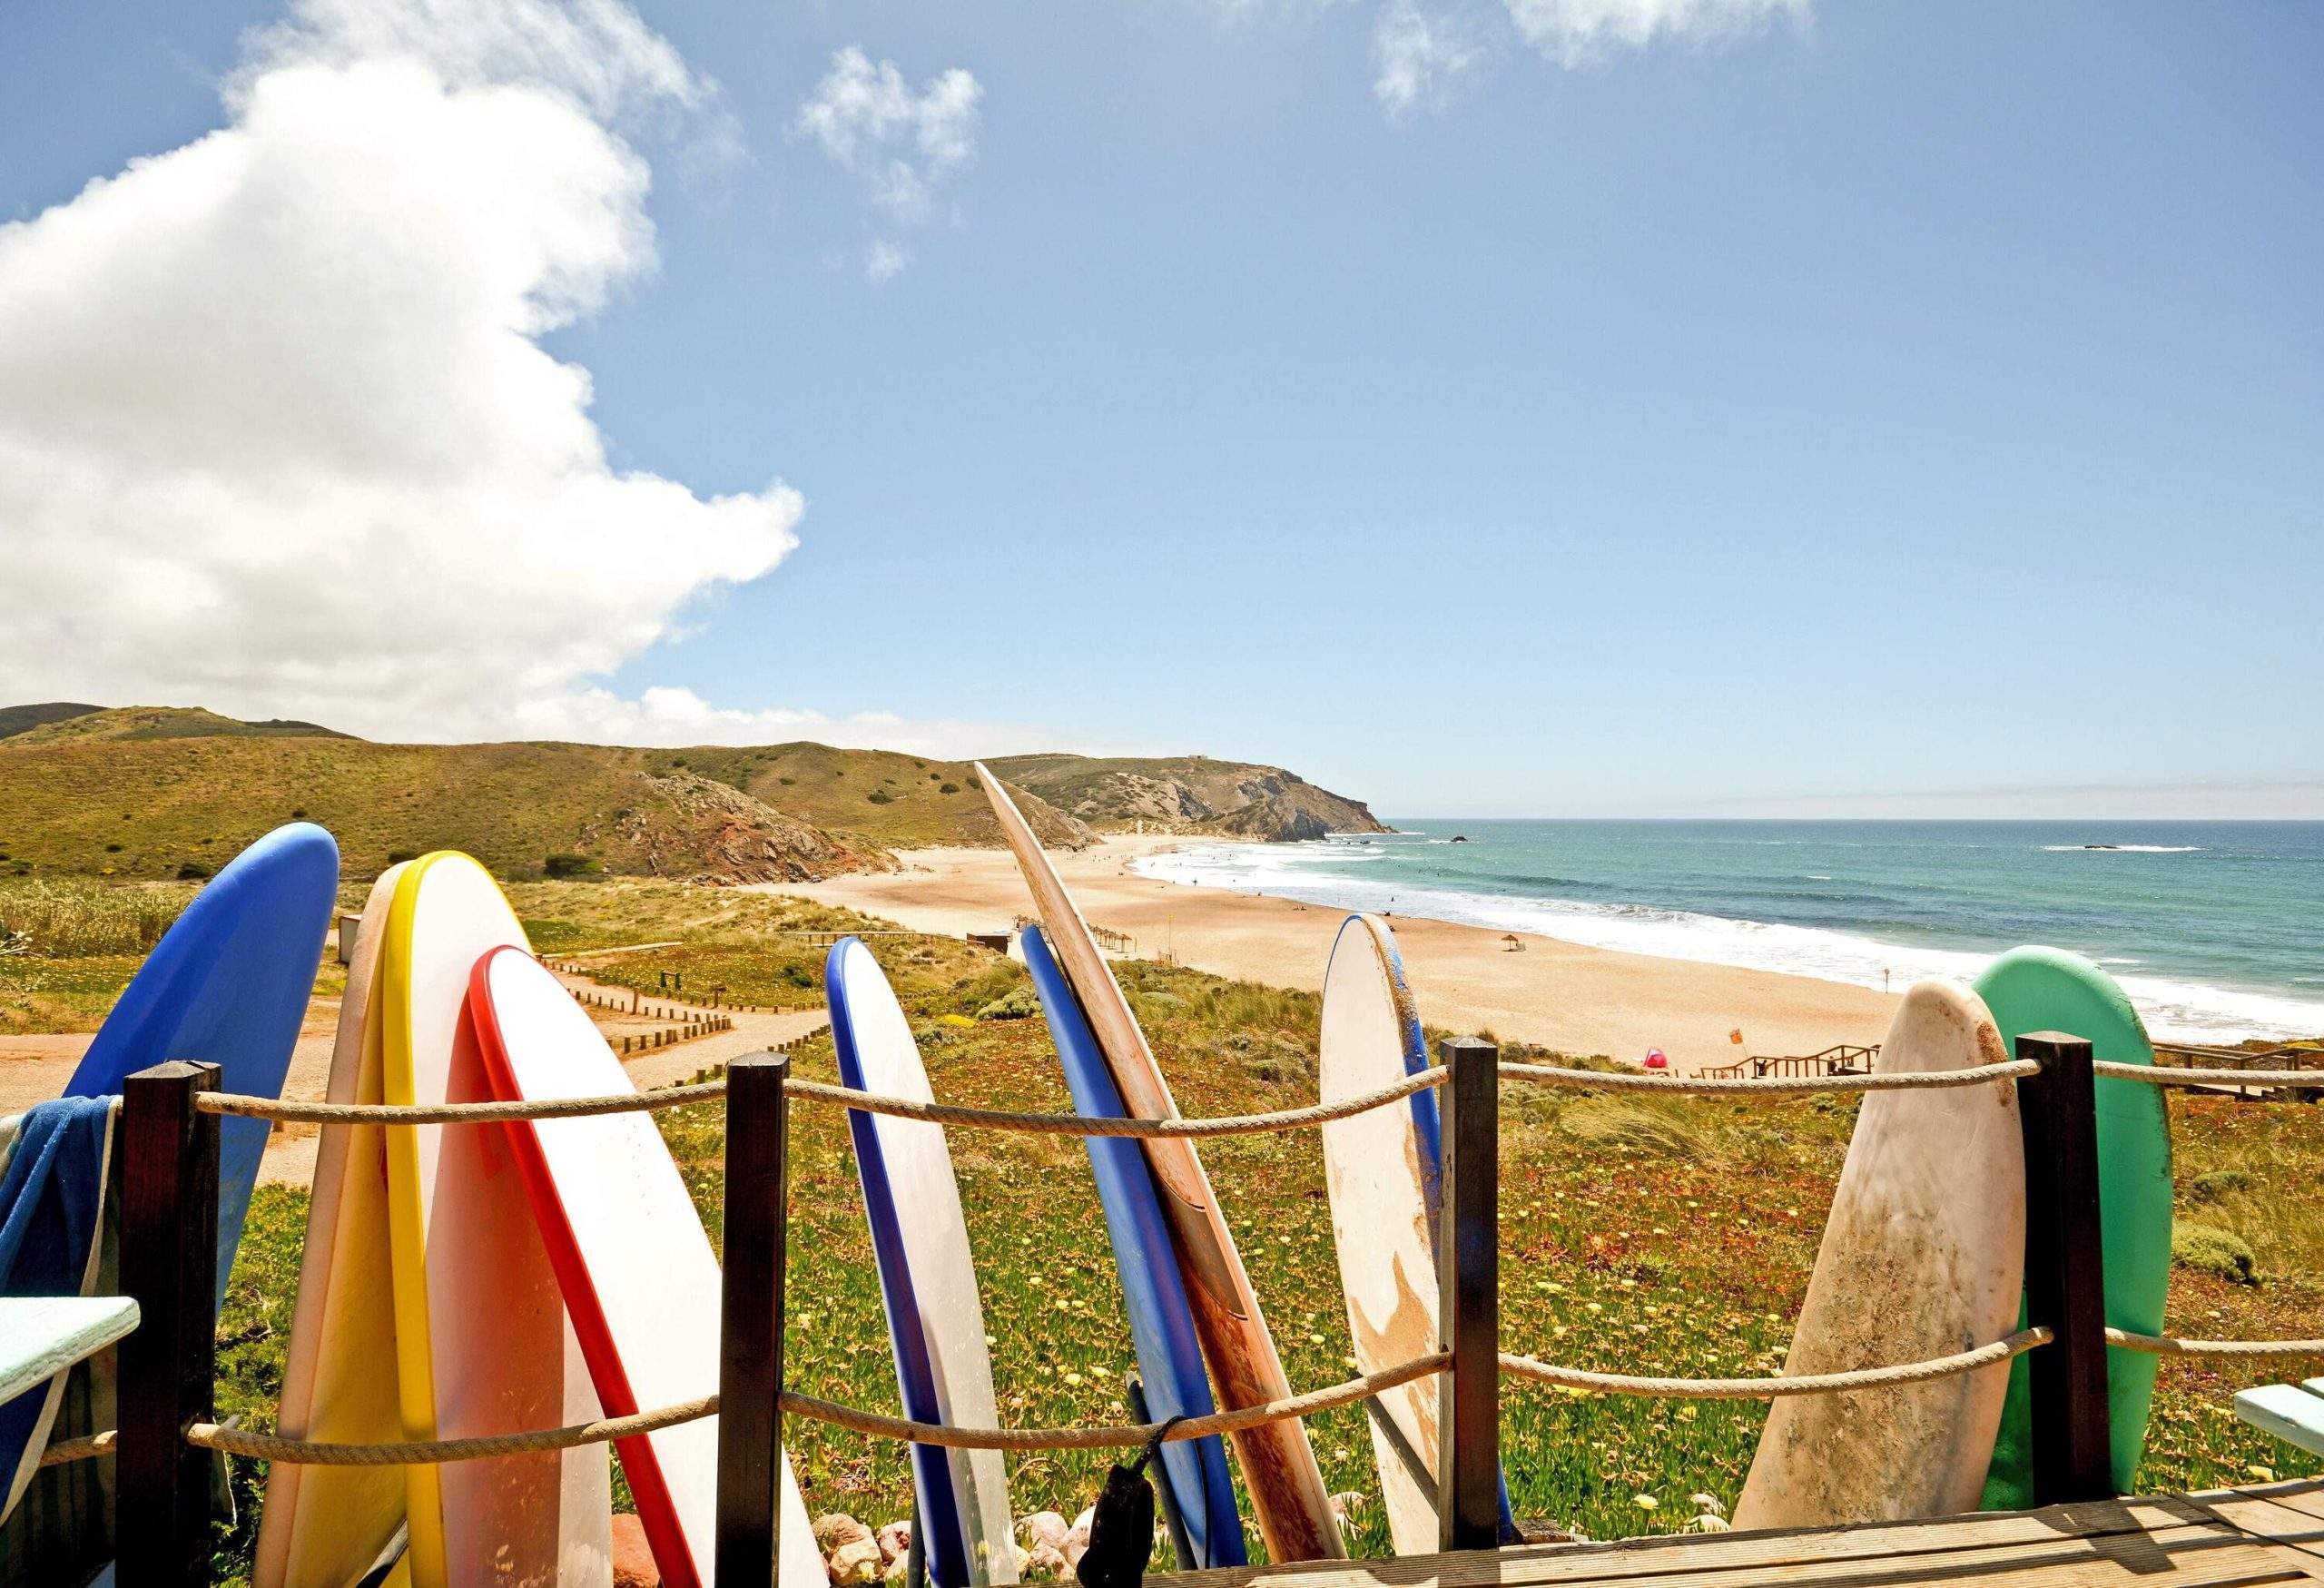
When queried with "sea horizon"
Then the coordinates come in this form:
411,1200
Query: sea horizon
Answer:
2212,927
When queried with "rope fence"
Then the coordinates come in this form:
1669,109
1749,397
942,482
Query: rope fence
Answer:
177,1169
2157,1075
1768,1086
1738,1389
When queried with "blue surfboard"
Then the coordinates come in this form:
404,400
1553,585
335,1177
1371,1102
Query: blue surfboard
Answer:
1161,1324
927,1282
228,985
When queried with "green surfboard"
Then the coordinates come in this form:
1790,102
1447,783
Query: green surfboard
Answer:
2039,990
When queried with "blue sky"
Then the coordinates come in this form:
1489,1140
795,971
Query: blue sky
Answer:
1854,400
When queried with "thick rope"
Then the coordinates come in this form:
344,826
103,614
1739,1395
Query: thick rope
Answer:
431,1453
2159,1075
66,1450
1719,1389
434,1452
255,1108
1077,1125
1119,1436
1769,1086
2171,1346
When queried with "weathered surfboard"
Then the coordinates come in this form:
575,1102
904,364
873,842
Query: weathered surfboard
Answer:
1288,1496
1382,1170
1923,1256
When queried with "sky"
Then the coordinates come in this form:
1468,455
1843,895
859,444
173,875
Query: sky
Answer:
1534,406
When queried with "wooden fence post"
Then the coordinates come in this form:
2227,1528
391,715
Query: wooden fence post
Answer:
2065,1272
749,1345
1468,1421
168,1266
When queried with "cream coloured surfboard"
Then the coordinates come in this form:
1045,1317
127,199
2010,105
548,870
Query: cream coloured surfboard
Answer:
464,1332
1923,1256
1382,1169
328,1523
634,1263
1288,1496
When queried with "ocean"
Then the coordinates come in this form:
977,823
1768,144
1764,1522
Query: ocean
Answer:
2215,929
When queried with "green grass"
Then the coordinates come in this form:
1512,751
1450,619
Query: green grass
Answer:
1638,1234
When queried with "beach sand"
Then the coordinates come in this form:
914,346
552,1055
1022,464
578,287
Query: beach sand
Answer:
1564,996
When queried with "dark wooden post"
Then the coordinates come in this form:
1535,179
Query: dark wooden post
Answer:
750,1343
169,1267
1468,1417
2065,1272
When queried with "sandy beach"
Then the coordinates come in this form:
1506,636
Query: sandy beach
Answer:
1566,997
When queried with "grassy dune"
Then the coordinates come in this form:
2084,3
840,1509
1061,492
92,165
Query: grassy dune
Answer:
1638,1234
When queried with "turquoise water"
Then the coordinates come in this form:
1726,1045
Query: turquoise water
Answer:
2216,930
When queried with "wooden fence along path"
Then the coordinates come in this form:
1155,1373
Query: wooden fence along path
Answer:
169,1148
1840,1058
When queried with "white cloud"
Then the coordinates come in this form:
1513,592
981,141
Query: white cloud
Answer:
884,261
1584,33
902,145
275,431
680,716
1423,58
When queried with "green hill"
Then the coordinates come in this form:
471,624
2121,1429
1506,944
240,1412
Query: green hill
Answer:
146,791
153,722
19,719
1188,794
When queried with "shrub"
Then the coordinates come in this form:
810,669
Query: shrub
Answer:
2217,1184
950,788
571,865
113,849
881,796
299,813
398,857
68,921
192,870
2217,1252
1015,1004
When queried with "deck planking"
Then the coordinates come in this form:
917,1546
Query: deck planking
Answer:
2238,1538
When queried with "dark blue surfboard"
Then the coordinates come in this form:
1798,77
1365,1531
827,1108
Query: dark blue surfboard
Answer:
228,985
1161,1324
927,1282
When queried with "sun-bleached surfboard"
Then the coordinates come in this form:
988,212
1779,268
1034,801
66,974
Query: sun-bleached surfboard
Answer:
1382,1170
928,1283
1288,1496
1923,1256
630,1253
439,1290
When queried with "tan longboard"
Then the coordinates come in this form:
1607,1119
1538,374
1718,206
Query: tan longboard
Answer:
1382,1170
1923,1256
1288,1495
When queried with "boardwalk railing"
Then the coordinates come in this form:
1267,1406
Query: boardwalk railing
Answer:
1840,1058
169,1142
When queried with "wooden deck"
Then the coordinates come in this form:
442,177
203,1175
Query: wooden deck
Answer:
2243,1537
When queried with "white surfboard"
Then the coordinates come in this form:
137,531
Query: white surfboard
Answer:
1923,1256
634,1263
928,1280
1381,1169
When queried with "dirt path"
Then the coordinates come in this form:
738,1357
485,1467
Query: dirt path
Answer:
34,1068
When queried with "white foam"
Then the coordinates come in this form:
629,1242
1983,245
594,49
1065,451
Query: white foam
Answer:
2123,848
2171,1008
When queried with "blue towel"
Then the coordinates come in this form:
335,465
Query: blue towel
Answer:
52,1206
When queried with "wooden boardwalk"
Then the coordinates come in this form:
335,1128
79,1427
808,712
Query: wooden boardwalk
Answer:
2243,1537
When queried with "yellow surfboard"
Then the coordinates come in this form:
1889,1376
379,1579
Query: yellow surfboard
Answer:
437,1313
